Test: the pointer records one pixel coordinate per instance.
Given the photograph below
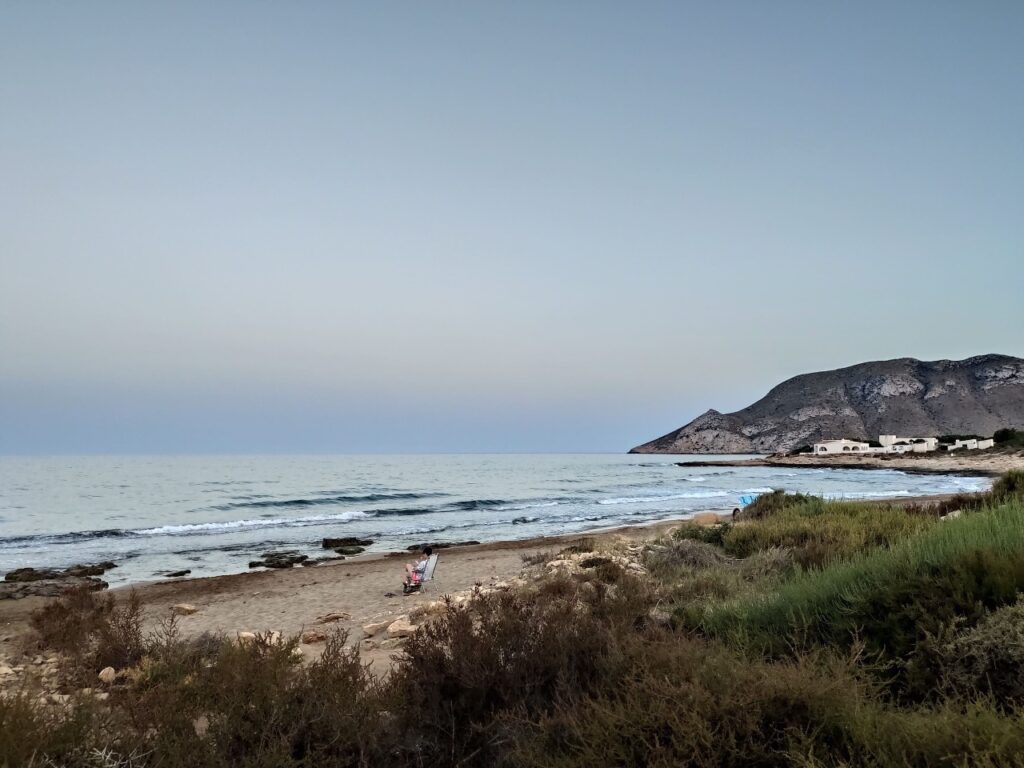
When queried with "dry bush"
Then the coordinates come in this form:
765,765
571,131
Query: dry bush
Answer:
509,652
989,657
668,557
91,632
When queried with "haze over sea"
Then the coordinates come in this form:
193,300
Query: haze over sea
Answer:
213,515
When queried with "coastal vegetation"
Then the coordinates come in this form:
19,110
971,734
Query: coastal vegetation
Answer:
808,633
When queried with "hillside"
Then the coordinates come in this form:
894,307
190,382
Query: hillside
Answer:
904,396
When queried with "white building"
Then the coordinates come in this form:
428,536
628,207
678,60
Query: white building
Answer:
831,447
907,444
889,444
971,445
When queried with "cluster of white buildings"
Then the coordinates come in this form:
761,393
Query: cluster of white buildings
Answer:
895,444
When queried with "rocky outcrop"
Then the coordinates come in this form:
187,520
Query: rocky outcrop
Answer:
279,560
346,541
53,582
904,397
15,590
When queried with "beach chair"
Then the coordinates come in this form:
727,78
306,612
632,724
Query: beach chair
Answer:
748,499
428,575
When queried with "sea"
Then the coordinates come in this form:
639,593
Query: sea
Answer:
213,515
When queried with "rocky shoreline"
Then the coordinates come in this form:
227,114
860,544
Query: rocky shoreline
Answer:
964,464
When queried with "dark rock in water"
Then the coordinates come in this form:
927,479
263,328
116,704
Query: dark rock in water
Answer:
33,574
347,541
97,569
177,574
440,545
279,560
349,550
15,590
23,575
976,396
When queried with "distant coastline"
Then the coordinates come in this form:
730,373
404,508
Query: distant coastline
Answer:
966,464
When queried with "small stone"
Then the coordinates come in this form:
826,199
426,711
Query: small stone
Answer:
5,670
178,574
101,696
107,675
297,652
341,616
313,636
245,638
59,698
369,644
554,565
374,627
183,609
400,627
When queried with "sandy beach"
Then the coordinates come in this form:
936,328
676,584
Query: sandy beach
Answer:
364,589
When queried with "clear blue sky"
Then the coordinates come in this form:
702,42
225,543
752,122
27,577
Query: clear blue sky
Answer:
256,227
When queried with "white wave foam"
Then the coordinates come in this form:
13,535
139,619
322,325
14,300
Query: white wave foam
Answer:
757,490
865,494
515,507
234,525
695,479
650,499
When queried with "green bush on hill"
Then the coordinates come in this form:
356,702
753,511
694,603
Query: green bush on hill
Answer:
1009,438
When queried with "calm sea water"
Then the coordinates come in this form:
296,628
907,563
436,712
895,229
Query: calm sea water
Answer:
214,514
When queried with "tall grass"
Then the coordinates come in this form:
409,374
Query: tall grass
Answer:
895,600
820,531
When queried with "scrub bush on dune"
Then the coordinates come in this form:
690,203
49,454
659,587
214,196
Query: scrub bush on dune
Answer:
988,658
895,600
819,532
92,631
510,652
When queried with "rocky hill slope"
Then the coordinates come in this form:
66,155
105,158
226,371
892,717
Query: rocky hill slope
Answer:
904,397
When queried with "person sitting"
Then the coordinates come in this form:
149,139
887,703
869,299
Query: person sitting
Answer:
414,571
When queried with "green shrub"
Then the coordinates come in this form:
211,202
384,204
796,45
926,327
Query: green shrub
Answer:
895,601
688,704
770,503
709,534
509,652
1009,438
818,532
989,658
1009,486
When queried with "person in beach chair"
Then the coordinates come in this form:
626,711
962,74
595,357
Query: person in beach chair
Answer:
420,571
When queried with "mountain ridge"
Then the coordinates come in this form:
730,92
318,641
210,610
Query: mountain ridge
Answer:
905,396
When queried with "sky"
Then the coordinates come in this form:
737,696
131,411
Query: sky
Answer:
254,227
